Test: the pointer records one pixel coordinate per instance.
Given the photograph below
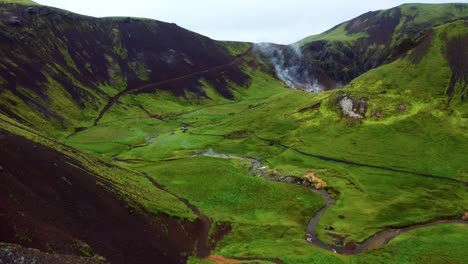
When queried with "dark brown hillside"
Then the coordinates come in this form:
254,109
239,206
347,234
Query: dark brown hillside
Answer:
49,202
457,56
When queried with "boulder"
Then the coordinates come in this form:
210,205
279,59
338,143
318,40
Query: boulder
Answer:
362,107
353,109
14,21
402,108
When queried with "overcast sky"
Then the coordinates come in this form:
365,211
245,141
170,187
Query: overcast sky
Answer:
278,21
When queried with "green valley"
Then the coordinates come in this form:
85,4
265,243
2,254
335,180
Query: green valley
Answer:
200,151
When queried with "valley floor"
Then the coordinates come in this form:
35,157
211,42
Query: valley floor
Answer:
208,155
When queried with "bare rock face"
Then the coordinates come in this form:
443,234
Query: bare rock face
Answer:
352,109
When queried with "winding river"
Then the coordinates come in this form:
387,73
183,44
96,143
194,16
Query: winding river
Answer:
377,240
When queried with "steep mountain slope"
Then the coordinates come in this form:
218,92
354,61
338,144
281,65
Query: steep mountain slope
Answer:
372,39
60,69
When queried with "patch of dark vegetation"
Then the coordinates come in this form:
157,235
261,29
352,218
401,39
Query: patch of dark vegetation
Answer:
421,50
401,49
380,26
310,108
460,7
238,134
50,202
457,56
334,63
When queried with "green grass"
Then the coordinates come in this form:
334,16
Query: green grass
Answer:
263,214
274,242
231,192
236,48
445,243
19,2
339,33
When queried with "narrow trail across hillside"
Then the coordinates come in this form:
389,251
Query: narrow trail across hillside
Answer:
114,99
373,242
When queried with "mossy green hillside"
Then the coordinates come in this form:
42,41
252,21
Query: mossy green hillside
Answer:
236,48
411,19
18,2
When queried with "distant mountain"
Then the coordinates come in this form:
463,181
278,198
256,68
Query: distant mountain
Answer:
435,71
346,51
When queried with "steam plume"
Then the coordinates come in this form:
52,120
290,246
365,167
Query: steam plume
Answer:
290,66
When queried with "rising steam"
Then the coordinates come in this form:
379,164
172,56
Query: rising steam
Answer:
290,66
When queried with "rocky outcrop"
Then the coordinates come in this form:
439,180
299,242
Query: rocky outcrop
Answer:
355,109
310,179
401,108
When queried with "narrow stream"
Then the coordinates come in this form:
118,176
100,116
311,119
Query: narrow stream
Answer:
375,241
